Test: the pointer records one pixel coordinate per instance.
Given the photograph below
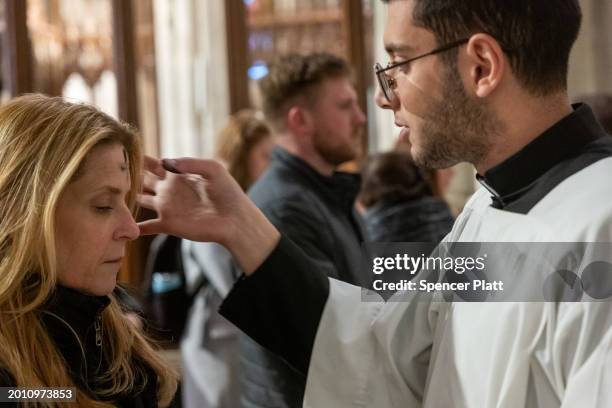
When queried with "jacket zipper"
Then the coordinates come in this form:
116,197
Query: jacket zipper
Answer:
98,327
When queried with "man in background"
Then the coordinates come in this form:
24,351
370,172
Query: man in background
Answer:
312,106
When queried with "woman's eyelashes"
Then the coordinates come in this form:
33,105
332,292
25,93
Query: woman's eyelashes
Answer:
104,209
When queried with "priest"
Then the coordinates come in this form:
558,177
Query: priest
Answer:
481,81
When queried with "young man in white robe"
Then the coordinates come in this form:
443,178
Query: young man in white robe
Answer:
481,81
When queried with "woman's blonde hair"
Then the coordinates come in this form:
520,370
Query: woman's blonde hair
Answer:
241,134
44,141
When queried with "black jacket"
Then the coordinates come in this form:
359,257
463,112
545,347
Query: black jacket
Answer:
427,219
83,313
317,213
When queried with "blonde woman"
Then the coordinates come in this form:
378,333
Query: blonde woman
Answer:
245,145
68,184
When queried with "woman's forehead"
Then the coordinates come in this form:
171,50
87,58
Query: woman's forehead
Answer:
106,164
107,155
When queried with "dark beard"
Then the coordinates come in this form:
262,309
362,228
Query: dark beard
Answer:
457,128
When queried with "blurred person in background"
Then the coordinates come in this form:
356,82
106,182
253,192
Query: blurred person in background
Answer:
312,105
245,146
601,103
68,185
399,202
439,179
210,352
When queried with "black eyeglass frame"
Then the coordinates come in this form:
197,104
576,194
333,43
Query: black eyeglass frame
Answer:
390,81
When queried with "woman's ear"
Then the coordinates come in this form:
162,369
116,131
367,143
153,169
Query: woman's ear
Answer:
487,64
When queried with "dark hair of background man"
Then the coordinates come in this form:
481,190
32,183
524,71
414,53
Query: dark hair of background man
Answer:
392,177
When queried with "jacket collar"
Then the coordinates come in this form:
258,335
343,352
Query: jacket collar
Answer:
77,309
341,187
565,139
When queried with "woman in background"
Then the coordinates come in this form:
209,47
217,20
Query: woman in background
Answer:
210,346
399,201
245,145
68,184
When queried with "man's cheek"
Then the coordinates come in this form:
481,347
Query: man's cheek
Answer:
416,96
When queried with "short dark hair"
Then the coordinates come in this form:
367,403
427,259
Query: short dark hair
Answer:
392,177
537,35
295,75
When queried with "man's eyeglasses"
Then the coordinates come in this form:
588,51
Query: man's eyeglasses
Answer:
387,82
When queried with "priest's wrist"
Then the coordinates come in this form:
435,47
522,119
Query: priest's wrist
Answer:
253,238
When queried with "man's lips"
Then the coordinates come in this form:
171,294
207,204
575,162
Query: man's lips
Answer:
404,134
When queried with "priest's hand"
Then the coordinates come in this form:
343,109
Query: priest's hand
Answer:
200,201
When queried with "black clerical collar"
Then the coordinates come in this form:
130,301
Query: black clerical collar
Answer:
564,142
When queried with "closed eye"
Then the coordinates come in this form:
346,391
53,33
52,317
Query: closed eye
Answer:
104,209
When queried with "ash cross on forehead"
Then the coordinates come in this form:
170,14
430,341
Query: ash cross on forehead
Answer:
124,165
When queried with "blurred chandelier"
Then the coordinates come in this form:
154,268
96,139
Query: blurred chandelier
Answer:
69,36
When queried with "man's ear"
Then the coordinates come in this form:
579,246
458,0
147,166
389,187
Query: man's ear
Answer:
487,64
299,120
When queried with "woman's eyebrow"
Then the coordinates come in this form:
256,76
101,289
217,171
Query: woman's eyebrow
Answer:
109,190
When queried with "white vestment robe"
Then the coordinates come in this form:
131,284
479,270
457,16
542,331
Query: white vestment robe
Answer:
433,354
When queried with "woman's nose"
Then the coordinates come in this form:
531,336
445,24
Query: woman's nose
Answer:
128,229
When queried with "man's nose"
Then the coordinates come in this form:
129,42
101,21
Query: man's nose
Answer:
381,100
